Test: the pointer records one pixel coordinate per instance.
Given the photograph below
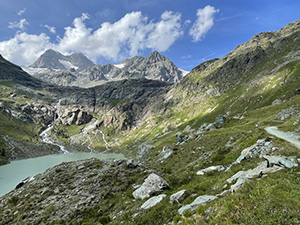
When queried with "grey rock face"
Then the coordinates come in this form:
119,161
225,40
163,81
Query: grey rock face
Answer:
76,117
165,152
180,138
211,169
220,121
153,201
178,197
152,185
144,149
201,200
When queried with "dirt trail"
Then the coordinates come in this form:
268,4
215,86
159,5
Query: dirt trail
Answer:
291,137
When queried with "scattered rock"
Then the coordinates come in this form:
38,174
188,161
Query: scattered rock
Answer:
201,200
282,161
205,155
165,153
153,184
80,167
286,113
178,197
211,169
238,117
180,138
26,180
261,148
220,121
131,164
153,201
277,102
272,165
144,149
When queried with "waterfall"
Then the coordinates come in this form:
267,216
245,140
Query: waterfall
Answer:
103,137
46,136
87,137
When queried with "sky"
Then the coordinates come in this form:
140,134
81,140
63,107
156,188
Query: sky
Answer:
188,32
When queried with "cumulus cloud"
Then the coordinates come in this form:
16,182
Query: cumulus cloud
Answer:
51,29
24,48
204,22
21,12
126,37
20,25
123,38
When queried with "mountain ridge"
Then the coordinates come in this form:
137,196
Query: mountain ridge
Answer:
55,60
154,67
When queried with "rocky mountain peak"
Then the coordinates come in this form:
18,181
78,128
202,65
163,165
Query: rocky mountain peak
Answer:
55,60
155,57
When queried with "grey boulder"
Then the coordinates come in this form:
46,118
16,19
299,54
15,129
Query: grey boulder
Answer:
201,200
152,184
153,201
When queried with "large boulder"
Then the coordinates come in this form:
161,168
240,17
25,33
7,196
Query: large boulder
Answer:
288,162
165,153
211,169
152,184
153,201
178,197
201,200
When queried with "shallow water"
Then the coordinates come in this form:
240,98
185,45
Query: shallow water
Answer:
13,173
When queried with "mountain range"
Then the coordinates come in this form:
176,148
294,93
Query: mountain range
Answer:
220,146
77,70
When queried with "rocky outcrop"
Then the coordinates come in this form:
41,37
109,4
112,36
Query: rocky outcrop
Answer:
165,153
211,169
260,148
220,121
271,165
74,117
151,202
143,150
201,200
151,186
178,197
286,113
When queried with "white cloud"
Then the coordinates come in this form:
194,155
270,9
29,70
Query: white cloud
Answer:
51,29
204,22
24,48
124,38
21,24
21,12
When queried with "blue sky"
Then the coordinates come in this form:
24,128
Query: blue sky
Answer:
109,31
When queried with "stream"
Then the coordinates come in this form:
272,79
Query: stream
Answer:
13,173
